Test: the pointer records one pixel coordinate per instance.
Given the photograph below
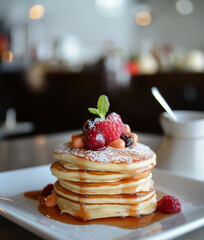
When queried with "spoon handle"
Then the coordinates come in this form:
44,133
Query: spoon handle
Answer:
164,104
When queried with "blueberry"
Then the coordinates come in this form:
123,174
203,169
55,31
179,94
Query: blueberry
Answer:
128,140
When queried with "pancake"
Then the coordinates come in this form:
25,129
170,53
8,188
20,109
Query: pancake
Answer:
108,159
111,182
130,185
75,174
94,211
135,198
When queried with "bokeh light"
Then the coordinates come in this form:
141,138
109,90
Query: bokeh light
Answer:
7,56
110,8
184,7
143,18
36,12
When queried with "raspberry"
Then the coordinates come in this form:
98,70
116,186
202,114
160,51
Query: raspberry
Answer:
169,204
110,129
94,139
47,190
116,118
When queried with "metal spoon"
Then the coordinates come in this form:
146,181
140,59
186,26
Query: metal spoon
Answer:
164,104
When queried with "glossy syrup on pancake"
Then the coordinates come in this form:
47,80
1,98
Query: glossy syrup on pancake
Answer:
122,222
76,173
103,198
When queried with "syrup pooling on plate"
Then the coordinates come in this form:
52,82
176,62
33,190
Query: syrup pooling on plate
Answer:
33,195
127,222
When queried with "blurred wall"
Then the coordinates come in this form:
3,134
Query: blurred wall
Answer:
93,25
86,22
170,27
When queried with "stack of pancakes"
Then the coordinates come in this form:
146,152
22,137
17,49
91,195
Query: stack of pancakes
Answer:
105,183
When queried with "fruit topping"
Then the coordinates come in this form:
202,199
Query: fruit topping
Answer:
169,204
99,132
78,140
47,190
89,124
134,136
126,129
51,201
116,118
119,143
128,140
110,130
94,139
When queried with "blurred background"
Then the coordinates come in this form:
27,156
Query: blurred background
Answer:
57,57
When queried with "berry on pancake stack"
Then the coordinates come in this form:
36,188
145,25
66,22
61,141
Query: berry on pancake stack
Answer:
104,172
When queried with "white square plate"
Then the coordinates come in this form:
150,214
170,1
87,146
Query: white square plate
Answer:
23,211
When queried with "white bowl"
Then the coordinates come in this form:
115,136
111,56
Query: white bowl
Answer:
181,149
190,124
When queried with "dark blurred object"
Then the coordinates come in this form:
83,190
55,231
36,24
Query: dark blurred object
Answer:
5,54
12,92
63,105
63,102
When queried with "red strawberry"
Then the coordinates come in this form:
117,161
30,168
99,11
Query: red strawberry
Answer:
116,118
169,204
110,129
94,139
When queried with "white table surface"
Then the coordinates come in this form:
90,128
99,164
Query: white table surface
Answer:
35,151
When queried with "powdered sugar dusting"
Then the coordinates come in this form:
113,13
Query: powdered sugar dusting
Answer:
114,117
140,152
93,122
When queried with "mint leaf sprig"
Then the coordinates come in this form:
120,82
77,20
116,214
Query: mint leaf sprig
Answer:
102,107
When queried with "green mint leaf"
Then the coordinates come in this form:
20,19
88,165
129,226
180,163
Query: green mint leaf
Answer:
94,111
103,106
